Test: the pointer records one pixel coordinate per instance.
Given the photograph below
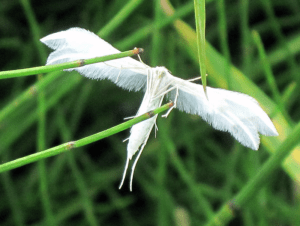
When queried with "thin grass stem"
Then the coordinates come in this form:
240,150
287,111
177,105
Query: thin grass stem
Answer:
72,64
82,142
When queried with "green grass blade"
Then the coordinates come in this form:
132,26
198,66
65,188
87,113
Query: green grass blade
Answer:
215,66
41,134
269,75
35,30
200,31
226,213
148,29
119,18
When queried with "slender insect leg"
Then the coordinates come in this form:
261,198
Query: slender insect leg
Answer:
121,67
194,79
156,129
174,106
119,74
130,117
163,93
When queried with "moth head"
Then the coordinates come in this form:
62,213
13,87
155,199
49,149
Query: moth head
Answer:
161,71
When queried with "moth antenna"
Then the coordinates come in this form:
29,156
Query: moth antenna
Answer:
141,58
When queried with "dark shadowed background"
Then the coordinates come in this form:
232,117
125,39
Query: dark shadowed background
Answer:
189,170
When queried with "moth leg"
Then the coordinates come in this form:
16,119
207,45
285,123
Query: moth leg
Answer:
156,129
119,74
194,79
121,67
130,117
163,93
174,106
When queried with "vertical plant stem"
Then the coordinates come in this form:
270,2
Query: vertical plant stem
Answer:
269,75
12,135
79,178
41,145
200,31
277,30
203,205
156,36
244,27
80,105
161,176
41,135
35,30
224,39
27,95
12,197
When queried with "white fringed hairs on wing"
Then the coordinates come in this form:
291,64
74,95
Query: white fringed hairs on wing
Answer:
77,43
236,113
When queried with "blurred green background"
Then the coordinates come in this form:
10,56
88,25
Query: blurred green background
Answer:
189,170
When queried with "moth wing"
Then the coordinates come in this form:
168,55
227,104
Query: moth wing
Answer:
140,133
225,110
77,43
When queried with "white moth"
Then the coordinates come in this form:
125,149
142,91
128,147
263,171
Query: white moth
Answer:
237,113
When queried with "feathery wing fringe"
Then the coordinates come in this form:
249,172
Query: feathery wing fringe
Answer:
236,113
77,43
